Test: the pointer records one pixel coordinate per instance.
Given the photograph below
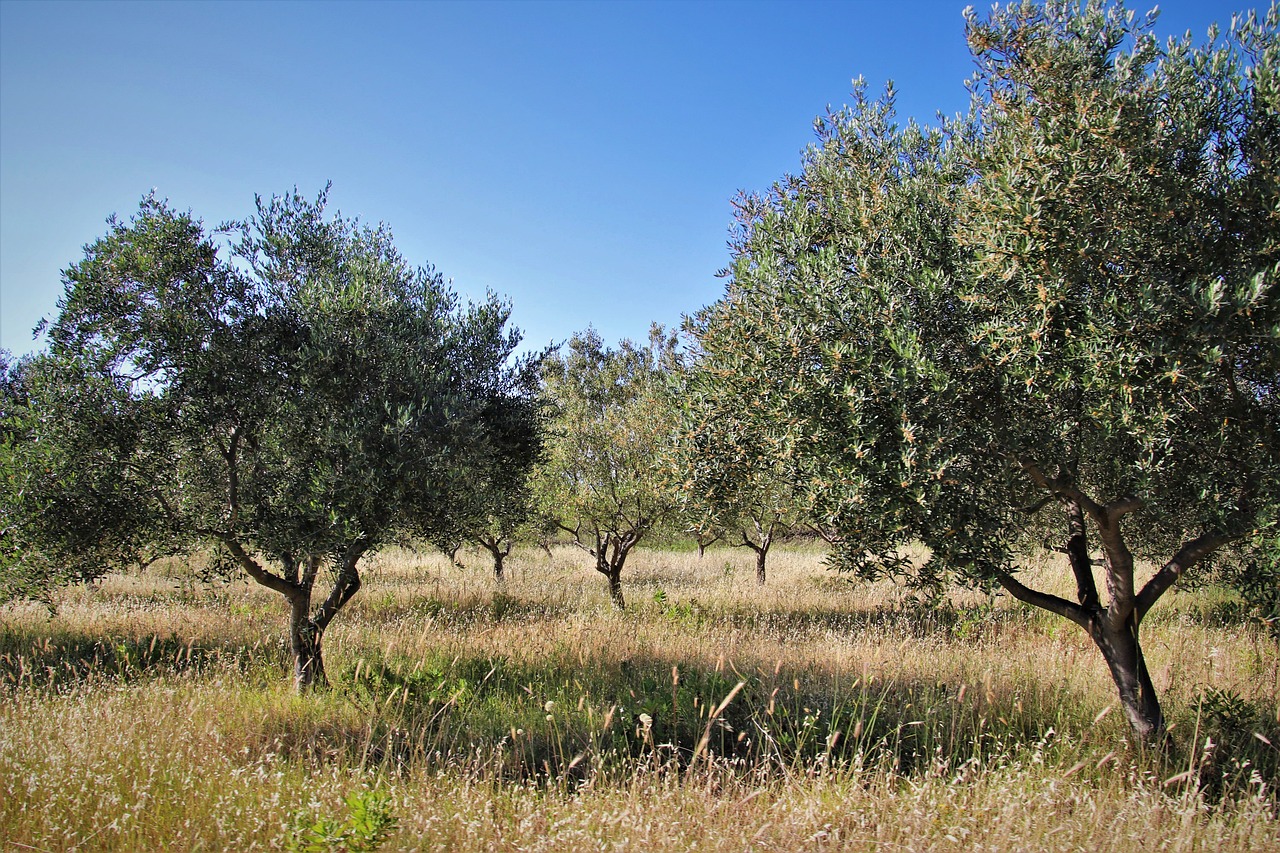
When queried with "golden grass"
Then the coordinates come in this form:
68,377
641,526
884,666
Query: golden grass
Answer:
151,714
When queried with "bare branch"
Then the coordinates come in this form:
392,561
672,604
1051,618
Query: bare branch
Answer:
1191,552
257,572
1044,600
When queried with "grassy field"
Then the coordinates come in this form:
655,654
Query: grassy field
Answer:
713,715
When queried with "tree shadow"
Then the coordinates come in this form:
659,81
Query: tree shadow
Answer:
63,657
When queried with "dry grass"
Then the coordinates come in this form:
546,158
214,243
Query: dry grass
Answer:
151,714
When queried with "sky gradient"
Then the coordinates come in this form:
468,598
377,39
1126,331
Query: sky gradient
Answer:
579,158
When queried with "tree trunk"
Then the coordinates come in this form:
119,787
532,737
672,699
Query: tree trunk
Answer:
1123,654
612,570
305,630
761,554
615,587
305,636
610,564
499,554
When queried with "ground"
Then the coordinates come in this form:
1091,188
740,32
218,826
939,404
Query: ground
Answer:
152,712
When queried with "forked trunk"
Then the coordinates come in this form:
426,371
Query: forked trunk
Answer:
610,565
1114,628
499,554
295,583
305,636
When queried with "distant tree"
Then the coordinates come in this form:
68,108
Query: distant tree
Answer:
1054,322
298,395
729,484
704,536
497,509
602,477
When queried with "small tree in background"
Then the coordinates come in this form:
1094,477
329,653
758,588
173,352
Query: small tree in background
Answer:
301,398
497,508
602,478
727,485
1056,319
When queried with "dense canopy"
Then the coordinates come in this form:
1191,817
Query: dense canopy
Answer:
1053,321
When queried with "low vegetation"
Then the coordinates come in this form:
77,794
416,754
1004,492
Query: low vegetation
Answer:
713,714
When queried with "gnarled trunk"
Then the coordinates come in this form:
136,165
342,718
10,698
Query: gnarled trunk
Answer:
295,583
765,535
1113,627
1123,653
611,567
305,636
610,553
615,587
499,552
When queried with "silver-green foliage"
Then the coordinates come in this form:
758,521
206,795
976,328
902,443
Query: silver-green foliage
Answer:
602,478
288,391
1052,321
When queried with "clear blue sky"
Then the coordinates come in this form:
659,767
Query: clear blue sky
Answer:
579,158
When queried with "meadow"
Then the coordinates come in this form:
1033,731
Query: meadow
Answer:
153,713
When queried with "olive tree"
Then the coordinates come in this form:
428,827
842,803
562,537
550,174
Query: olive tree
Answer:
498,508
1052,322
287,391
729,482
601,480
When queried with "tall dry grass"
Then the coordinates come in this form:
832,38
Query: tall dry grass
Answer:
154,714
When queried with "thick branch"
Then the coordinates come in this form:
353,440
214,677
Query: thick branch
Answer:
346,585
1188,555
1077,551
746,541
1043,600
494,545
309,573
1064,488
258,573
1118,509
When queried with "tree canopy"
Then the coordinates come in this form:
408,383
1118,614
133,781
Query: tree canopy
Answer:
1050,322
286,391
602,480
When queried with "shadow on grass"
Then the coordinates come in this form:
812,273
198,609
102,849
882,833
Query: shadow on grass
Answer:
59,658
561,719
565,718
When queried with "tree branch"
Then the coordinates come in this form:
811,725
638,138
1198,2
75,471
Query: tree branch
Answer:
1188,555
345,586
254,570
1077,551
309,573
1063,488
1038,505
1121,507
1043,600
